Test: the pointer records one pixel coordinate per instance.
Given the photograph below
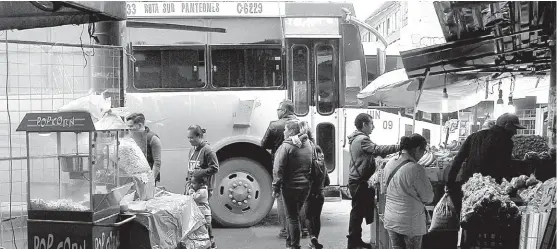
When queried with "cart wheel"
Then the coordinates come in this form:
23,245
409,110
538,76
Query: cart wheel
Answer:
242,194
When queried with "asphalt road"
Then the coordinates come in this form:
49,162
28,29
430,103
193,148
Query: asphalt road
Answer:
334,228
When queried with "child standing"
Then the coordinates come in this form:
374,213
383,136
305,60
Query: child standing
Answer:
200,194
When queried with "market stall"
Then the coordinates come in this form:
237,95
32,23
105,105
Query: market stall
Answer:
72,181
90,185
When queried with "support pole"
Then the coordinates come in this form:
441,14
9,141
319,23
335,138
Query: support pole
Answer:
552,112
418,96
109,64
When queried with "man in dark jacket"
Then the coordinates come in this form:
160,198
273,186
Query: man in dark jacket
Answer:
488,152
362,167
148,141
272,141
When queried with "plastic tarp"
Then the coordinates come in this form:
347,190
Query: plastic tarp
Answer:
173,220
391,89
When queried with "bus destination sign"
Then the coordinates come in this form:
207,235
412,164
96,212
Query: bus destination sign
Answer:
202,8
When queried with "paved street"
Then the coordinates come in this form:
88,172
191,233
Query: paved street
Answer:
264,236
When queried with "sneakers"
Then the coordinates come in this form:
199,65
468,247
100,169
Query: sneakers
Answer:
305,233
213,244
359,245
283,234
314,243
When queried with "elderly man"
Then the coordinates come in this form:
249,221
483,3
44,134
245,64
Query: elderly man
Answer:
488,152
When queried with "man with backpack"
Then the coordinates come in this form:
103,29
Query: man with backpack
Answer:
148,141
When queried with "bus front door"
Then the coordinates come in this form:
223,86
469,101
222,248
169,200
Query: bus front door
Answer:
313,76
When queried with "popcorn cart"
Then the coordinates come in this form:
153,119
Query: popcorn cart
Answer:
73,186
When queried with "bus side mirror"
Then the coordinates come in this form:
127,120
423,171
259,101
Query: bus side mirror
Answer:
381,61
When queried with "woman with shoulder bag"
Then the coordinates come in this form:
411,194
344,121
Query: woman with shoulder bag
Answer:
408,190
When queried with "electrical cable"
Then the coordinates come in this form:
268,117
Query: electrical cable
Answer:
10,136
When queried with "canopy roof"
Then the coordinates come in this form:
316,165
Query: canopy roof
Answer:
35,14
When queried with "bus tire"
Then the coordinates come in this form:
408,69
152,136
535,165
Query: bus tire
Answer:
241,179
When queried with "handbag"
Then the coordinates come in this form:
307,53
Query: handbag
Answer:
427,216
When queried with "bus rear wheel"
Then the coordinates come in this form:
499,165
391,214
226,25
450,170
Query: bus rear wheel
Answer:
242,194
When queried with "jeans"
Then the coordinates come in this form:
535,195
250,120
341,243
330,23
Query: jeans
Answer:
314,206
399,241
281,213
293,201
363,200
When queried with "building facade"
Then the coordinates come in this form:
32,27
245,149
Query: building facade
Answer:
406,24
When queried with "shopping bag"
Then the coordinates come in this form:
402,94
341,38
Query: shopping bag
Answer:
445,217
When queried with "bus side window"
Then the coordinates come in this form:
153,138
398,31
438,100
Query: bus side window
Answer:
326,79
169,69
300,79
246,67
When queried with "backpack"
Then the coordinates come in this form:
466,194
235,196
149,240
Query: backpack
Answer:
317,171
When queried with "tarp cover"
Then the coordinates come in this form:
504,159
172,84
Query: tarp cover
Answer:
172,219
392,89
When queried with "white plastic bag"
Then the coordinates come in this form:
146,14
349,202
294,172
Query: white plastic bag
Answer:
444,217
95,104
110,121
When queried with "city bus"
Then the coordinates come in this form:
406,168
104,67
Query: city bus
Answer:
232,83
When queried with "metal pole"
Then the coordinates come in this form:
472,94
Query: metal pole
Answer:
107,66
418,97
552,114
351,19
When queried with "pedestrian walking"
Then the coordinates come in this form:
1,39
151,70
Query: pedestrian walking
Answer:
203,162
272,140
152,148
291,177
362,166
407,191
316,199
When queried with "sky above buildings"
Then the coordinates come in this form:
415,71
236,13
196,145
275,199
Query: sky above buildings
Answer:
364,8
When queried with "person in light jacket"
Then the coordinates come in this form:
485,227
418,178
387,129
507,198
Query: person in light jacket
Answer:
408,190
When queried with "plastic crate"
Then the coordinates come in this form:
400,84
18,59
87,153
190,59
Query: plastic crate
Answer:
480,238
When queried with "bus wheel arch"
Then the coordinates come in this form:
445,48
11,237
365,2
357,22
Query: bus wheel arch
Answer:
242,194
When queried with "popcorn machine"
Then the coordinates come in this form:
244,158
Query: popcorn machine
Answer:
73,188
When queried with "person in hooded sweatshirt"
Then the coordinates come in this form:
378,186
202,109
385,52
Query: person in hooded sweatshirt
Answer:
291,177
272,140
203,163
362,167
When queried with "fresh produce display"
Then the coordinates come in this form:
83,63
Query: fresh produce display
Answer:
543,198
427,160
485,203
528,143
529,193
519,184
58,205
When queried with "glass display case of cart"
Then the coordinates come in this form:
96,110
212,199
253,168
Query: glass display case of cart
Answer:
72,168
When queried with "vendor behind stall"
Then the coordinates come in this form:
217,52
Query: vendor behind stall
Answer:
136,122
488,152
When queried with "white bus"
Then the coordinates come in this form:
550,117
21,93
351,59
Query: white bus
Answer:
231,84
